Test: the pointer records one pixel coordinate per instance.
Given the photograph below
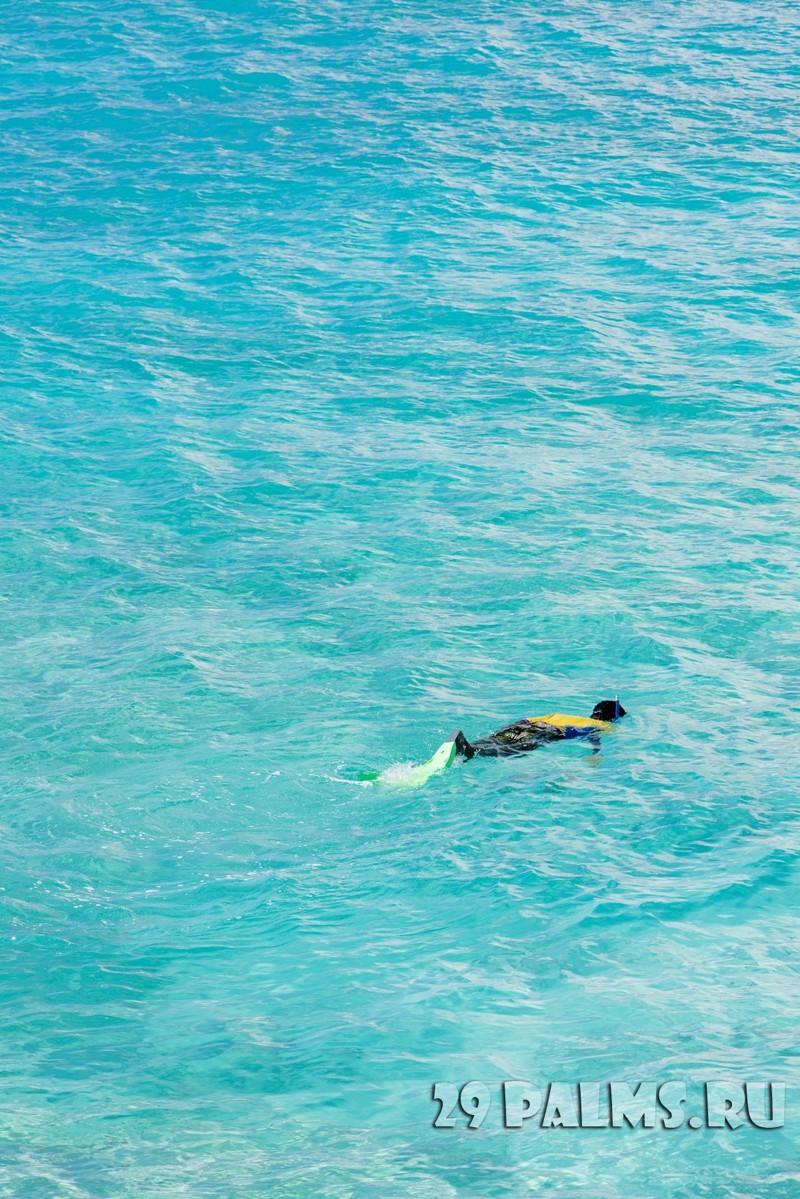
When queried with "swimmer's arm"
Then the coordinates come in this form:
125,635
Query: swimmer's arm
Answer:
594,740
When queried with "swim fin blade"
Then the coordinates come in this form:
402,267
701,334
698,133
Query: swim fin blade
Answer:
444,757
417,775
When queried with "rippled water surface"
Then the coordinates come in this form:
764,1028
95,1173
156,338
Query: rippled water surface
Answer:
371,370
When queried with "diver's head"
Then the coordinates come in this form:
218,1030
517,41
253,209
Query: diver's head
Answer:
608,709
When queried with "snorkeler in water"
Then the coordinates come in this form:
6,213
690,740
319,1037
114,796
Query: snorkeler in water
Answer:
518,738
533,731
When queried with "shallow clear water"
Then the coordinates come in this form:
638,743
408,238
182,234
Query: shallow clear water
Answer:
373,370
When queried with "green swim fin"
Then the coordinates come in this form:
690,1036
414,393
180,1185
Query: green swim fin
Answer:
444,757
417,775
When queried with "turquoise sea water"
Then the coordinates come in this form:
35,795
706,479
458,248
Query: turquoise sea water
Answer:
369,371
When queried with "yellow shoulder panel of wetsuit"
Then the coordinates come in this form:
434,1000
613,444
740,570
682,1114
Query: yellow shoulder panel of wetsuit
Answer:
561,721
